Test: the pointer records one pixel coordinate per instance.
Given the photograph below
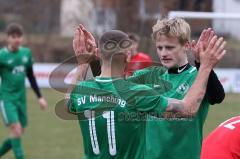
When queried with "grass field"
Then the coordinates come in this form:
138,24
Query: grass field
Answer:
48,137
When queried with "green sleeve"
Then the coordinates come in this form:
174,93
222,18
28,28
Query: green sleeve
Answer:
150,74
152,104
152,77
145,99
140,76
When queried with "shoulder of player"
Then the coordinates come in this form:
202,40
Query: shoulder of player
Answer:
25,50
87,84
3,52
190,74
155,69
192,70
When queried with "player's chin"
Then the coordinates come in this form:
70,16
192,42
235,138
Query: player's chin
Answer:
15,46
168,64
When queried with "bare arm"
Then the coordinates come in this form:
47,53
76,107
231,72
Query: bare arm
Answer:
191,102
79,75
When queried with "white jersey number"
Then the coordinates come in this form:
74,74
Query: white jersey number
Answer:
230,125
109,115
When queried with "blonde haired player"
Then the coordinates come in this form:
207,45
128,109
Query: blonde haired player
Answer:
179,138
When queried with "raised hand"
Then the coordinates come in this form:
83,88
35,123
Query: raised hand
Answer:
213,53
84,45
89,39
204,39
79,42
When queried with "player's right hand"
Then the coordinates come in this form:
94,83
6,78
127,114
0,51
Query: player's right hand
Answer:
214,52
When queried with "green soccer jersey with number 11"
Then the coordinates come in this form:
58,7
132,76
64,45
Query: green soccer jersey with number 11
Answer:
174,138
13,66
111,116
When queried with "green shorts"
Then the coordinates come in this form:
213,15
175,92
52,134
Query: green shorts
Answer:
13,112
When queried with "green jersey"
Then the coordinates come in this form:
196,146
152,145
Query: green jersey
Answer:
13,66
175,138
112,116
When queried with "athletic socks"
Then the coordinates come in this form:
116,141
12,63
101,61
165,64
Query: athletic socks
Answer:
17,148
6,146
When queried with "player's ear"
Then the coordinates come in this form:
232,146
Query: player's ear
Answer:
187,46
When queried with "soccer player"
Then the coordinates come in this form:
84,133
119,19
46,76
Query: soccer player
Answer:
170,138
138,60
15,64
110,108
224,141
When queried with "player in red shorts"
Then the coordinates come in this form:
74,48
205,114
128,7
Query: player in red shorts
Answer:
224,141
138,60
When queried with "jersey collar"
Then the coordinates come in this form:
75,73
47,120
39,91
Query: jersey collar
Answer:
179,69
9,51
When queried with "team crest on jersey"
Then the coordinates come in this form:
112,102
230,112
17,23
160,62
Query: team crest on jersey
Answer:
18,69
10,61
183,88
24,59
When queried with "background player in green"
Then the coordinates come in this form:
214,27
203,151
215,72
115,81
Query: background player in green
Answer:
15,64
104,102
171,138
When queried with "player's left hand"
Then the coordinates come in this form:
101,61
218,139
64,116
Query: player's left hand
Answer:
43,103
204,40
90,42
84,45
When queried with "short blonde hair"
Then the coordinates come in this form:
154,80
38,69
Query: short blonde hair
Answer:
175,27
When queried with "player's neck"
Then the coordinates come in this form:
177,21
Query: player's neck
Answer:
12,49
112,71
178,70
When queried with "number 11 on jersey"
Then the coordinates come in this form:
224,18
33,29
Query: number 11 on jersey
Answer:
109,116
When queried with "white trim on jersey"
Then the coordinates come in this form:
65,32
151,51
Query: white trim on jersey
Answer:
2,109
106,80
193,69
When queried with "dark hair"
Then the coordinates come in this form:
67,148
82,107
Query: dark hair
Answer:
14,29
134,37
114,41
